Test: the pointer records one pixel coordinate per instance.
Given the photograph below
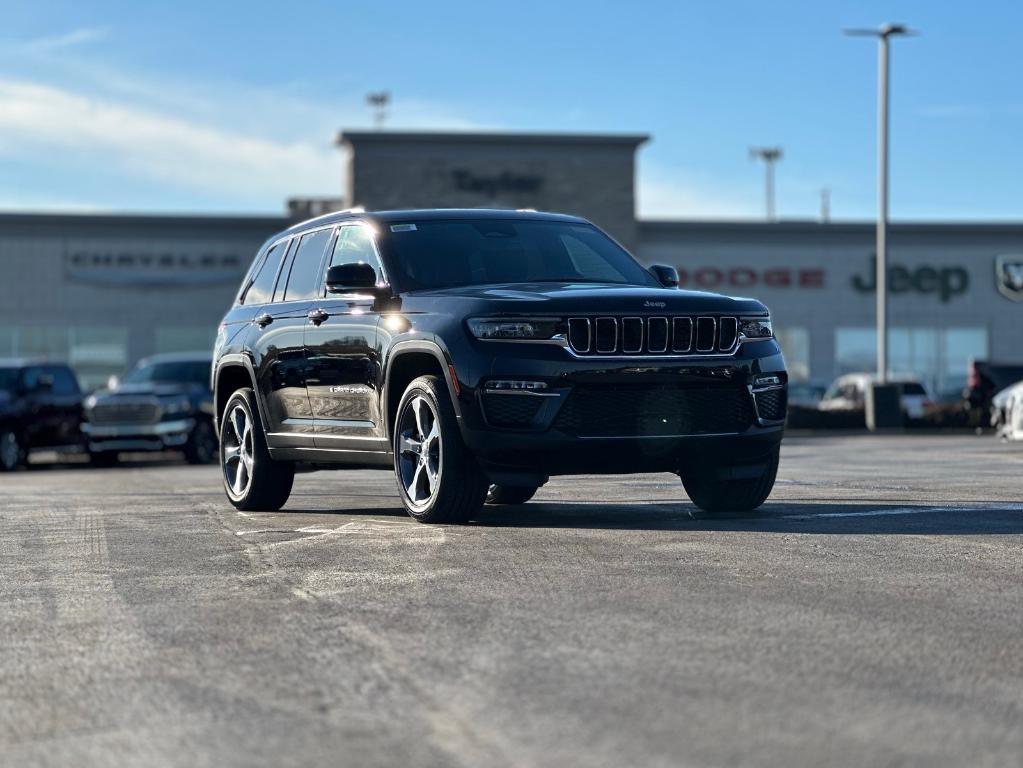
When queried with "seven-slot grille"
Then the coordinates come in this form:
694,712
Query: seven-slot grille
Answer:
135,412
617,335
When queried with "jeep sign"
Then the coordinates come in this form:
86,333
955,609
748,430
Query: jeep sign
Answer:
946,282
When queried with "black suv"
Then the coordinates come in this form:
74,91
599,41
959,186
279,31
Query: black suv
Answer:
40,409
164,403
479,352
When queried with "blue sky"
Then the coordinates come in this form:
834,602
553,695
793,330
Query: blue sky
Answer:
232,107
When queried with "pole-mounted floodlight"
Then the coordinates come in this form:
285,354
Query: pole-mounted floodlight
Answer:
770,155
379,100
882,34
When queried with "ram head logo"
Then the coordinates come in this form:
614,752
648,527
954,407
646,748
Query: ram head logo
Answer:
1009,276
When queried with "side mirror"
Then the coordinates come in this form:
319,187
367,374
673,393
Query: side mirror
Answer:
666,276
349,278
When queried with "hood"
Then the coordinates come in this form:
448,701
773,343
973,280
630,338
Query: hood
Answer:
588,298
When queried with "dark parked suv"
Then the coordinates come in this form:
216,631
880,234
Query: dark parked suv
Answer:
40,409
480,352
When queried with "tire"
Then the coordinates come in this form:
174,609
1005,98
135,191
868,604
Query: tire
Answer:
447,486
253,481
511,494
201,447
732,495
12,452
103,458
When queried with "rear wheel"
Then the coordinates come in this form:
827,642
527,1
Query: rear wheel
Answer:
438,479
744,493
511,494
252,480
12,453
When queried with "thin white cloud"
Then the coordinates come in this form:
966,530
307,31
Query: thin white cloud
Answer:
35,118
63,41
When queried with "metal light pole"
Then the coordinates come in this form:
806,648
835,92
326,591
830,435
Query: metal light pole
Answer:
770,155
881,266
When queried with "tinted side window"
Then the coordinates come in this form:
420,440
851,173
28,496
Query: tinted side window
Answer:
263,285
305,269
354,245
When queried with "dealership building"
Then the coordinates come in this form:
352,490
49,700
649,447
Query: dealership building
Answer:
102,291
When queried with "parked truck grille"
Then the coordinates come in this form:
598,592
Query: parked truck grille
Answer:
655,410
697,335
125,413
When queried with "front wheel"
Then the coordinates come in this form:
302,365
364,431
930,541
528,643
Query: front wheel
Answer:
252,480
438,479
744,492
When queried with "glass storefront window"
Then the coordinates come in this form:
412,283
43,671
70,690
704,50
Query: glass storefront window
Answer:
795,345
95,352
938,356
198,338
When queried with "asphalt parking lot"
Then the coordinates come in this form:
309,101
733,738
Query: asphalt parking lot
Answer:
870,614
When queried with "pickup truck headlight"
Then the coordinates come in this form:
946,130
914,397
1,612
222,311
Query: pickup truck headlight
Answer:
176,405
755,328
516,329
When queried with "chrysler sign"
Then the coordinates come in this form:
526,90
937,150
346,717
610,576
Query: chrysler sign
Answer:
163,267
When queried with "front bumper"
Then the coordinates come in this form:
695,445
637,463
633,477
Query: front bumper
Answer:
715,414
161,436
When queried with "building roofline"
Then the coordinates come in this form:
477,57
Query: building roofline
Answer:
808,226
347,138
46,218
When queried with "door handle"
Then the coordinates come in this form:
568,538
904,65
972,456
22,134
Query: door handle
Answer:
263,320
317,315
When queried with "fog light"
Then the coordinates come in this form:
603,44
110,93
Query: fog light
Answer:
766,381
516,384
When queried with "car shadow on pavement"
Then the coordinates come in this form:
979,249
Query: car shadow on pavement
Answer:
971,519
977,518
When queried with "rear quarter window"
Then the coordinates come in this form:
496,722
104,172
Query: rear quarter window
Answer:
261,289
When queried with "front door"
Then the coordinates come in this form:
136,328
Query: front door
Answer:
343,373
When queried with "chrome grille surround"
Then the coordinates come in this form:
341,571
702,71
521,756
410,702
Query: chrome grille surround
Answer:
653,336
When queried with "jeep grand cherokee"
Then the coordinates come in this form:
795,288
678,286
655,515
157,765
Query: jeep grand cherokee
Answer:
477,353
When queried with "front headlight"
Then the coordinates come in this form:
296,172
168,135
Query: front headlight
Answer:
177,405
755,328
516,329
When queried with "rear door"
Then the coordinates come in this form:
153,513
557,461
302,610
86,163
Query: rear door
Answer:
278,342
343,354
54,406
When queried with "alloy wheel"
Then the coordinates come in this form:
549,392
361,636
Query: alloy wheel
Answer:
419,448
237,451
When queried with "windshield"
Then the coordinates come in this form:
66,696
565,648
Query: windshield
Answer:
185,372
9,379
443,254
